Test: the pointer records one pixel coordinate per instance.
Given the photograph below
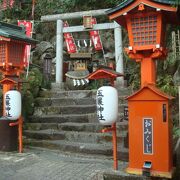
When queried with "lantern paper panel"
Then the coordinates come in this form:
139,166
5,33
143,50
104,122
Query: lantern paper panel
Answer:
12,104
107,105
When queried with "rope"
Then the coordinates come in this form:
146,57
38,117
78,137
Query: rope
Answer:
75,77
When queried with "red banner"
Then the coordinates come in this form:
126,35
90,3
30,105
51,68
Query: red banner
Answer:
28,27
71,46
6,4
95,37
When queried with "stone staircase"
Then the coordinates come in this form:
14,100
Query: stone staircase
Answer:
66,121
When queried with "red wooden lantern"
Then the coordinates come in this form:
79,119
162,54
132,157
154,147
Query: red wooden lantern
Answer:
145,21
145,31
11,55
12,47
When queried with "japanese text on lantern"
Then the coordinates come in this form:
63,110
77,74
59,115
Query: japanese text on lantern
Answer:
8,105
148,135
100,104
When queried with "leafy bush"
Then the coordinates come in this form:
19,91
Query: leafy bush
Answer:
34,81
165,82
30,90
176,132
28,103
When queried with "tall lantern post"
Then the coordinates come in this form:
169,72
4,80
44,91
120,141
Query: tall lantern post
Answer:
12,48
149,114
108,102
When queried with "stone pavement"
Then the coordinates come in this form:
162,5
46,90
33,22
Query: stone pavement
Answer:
40,164
44,165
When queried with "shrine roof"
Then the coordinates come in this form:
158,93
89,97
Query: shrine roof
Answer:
15,32
128,2
173,2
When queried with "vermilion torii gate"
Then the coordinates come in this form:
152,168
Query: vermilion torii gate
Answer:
59,18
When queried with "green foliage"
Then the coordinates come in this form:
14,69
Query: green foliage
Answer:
55,6
132,74
34,80
176,132
177,2
30,90
95,84
46,83
165,82
17,12
28,103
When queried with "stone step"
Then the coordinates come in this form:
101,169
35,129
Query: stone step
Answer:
75,136
71,109
73,94
71,126
59,118
75,147
41,102
68,109
40,126
79,93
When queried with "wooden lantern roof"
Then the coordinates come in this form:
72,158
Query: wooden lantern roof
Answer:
9,80
104,73
168,8
149,92
12,80
10,32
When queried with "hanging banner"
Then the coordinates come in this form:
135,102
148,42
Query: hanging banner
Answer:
6,4
95,37
71,46
29,28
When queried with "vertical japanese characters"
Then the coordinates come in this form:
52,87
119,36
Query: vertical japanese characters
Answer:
12,102
148,136
8,105
100,104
